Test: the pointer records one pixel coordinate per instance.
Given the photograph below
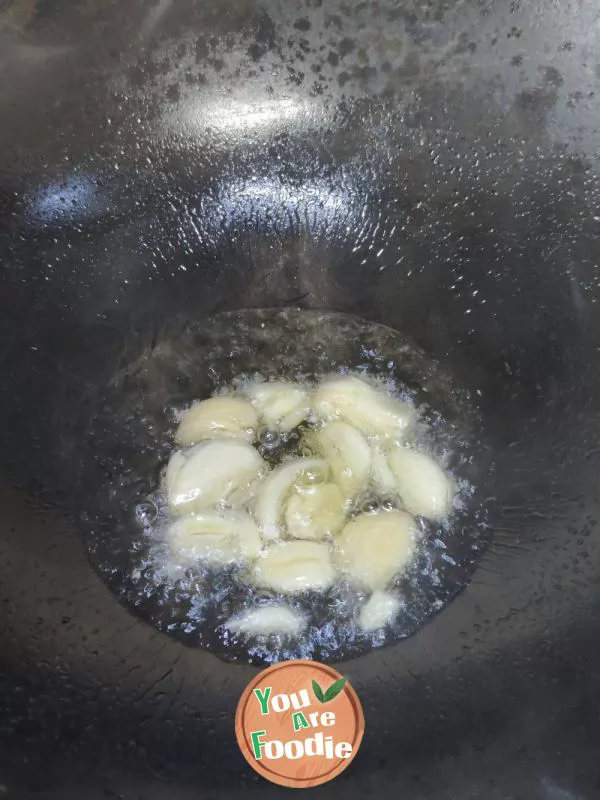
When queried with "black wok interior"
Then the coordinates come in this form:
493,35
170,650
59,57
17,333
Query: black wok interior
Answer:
429,166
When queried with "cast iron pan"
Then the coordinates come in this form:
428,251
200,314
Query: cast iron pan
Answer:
430,166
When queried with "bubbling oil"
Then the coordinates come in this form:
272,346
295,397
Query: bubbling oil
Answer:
133,432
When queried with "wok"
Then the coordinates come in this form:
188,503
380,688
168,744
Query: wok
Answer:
428,166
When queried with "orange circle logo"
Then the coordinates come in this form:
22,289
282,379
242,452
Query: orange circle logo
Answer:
299,724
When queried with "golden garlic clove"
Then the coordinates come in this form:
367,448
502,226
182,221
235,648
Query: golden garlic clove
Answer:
273,492
354,401
268,620
217,417
294,567
348,454
379,610
282,406
209,473
172,470
422,484
316,512
384,480
373,548
219,536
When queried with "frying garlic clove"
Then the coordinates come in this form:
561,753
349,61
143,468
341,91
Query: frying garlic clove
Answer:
282,406
373,548
173,468
294,567
208,473
348,454
384,480
217,417
379,610
268,620
422,484
274,490
316,512
217,536
366,408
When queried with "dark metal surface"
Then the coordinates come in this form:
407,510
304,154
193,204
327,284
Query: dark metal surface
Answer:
431,166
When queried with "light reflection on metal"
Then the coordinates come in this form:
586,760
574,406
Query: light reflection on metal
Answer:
316,205
73,198
232,116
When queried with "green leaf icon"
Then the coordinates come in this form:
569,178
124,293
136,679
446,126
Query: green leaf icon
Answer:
335,689
318,692
331,693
